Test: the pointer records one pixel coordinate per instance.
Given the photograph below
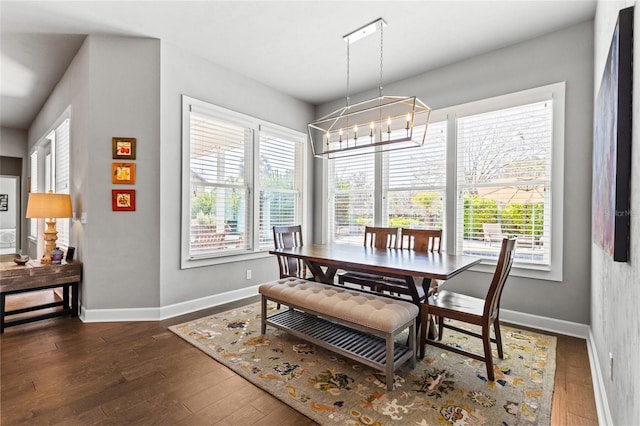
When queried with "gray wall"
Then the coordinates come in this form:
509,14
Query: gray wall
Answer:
113,88
184,73
615,290
561,56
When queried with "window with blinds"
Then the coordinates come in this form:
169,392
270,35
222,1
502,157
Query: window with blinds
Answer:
33,165
220,164
351,197
504,181
280,182
414,187
245,177
62,167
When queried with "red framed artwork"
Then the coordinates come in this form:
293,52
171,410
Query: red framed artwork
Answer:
123,200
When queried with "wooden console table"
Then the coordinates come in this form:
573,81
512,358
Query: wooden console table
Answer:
35,276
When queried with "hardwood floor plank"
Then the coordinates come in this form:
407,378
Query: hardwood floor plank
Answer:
62,371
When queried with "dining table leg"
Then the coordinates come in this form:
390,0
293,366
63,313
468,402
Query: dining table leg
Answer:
327,276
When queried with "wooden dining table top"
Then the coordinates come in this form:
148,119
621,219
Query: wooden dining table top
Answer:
388,262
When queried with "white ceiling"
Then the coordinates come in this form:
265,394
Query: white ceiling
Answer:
295,47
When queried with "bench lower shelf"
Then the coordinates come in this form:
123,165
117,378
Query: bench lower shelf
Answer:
363,347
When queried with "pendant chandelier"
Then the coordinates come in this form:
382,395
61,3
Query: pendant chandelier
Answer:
380,124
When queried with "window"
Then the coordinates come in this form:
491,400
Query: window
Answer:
50,171
242,177
33,165
280,182
415,183
487,169
61,177
504,181
351,197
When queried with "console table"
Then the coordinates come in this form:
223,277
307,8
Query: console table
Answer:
35,276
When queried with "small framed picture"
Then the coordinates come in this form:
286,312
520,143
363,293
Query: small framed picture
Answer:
124,148
123,173
123,200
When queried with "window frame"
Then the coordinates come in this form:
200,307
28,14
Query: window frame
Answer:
556,92
253,251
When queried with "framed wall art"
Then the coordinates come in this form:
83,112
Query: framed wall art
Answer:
612,145
124,148
123,173
123,200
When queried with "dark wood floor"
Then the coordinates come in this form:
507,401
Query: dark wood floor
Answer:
61,371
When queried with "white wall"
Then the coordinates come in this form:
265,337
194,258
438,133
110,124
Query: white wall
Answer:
615,290
561,56
186,74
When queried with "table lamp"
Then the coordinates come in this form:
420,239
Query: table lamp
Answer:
49,206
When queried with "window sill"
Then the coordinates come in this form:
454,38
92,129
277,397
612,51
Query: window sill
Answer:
220,260
537,272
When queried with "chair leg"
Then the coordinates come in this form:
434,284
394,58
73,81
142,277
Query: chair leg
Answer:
496,329
488,356
424,327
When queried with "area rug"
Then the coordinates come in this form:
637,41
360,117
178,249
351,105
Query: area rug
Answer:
444,388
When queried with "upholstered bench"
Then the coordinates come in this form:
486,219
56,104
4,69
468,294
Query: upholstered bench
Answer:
357,325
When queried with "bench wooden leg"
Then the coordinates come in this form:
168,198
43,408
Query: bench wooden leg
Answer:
263,323
412,343
389,362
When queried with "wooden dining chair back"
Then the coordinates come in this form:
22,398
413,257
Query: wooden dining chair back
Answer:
421,240
380,237
480,312
376,237
289,237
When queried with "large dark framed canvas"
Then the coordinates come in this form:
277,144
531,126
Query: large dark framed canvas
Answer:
612,144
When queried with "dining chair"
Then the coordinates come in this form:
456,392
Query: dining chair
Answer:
377,237
421,241
289,237
480,312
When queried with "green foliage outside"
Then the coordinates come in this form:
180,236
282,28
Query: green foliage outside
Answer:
516,219
202,207
477,211
404,222
524,219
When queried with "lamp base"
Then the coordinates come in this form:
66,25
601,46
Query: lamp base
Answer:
50,238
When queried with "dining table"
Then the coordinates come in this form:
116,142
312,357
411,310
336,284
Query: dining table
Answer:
325,260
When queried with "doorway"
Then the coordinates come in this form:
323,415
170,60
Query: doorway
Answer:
10,207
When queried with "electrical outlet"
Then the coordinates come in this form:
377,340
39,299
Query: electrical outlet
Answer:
248,274
610,366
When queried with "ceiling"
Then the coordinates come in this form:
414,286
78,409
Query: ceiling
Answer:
295,47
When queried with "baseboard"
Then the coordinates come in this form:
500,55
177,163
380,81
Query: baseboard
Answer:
567,328
599,390
170,311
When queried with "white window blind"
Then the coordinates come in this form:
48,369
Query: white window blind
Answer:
33,223
415,183
220,164
351,197
62,167
280,181
504,181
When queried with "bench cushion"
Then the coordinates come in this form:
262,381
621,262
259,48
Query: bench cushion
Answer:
375,312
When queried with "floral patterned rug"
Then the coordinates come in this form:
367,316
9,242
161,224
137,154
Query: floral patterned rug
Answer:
444,388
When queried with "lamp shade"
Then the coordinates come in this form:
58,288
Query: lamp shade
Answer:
49,205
